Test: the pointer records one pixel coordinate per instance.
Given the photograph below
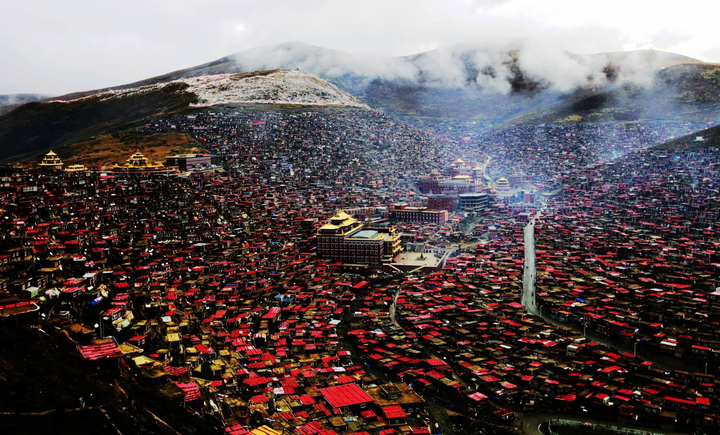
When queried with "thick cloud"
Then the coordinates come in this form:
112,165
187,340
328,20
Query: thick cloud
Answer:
489,64
57,47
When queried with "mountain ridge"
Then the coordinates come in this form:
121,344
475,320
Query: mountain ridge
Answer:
500,84
52,124
703,139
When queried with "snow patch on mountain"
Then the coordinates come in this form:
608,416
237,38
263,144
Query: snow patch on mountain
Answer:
279,86
269,87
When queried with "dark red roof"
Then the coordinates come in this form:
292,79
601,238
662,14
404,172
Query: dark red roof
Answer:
394,411
100,351
192,392
345,395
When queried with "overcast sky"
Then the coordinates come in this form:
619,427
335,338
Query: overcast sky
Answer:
55,47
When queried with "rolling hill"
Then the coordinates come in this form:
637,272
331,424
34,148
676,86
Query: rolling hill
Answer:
38,126
35,127
473,81
518,83
687,92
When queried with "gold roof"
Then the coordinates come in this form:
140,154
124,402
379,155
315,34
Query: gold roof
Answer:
51,159
139,161
75,168
341,215
340,220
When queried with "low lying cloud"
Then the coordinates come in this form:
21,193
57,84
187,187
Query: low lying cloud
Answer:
490,66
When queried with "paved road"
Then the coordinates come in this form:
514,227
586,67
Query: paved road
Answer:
528,296
391,311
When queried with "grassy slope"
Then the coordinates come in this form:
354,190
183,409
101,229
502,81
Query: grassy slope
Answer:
711,136
33,128
117,147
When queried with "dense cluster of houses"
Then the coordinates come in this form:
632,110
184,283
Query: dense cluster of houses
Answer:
630,251
540,154
221,289
207,286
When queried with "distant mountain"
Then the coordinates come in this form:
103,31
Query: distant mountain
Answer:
501,83
496,83
518,82
679,92
704,139
20,98
12,101
36,127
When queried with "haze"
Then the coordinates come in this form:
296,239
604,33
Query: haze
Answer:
58,47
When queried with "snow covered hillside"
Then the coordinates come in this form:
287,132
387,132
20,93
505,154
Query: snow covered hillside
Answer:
279,86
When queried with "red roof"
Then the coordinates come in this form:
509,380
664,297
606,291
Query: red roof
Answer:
192,392
478,396
345,395
236,429
100,351
394,411
176,371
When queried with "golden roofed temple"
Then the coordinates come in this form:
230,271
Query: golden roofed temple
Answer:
75,168
340,224
345,239
51,161
139,163
502,184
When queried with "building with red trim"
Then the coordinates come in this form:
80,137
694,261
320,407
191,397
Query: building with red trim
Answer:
185,162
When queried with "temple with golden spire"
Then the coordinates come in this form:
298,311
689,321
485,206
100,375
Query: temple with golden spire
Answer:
51,161
139,163
503,185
